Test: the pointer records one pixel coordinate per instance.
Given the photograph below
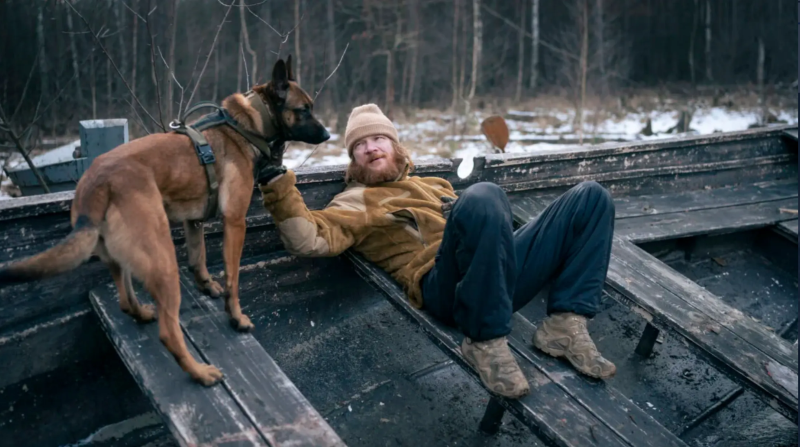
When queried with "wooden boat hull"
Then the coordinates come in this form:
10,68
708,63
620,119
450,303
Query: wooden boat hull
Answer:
49,326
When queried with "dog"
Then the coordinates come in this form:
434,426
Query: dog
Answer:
126,199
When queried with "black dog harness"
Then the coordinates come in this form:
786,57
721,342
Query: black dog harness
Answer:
204,152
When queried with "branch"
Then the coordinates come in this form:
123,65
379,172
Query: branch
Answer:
100,44
284,37
334,71
527,34
169,69
8,129
25,89
246,74
213,45
153,70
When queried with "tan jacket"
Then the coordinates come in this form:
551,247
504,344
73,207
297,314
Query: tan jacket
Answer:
397,225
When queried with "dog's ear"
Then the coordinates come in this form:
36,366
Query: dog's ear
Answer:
289,69
280,79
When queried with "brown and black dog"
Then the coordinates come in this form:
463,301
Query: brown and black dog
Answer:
125,200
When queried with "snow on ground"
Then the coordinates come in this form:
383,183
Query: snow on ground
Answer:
434,134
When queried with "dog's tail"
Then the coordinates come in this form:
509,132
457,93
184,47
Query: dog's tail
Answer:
68,254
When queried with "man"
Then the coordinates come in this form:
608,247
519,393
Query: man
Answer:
460,259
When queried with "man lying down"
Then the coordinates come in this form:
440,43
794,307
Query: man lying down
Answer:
458,258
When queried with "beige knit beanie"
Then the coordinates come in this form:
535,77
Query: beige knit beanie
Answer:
367,121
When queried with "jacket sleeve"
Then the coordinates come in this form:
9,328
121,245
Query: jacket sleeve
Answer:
319,233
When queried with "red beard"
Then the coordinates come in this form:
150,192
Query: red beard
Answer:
371,176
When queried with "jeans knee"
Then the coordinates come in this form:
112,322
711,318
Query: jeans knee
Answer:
596,193
484,196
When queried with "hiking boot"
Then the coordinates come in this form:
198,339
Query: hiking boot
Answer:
565,335
498,369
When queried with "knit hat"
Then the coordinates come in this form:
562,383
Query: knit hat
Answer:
366,121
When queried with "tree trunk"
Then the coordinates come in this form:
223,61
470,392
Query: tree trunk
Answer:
296,59
239,63
708,41
216,76
520,51
583,60
331,90
454,63
45,86
253,67
535,45
691,44
123,48
462,77
134,6
600,37
94,86
74,51
477,43
413,73
760,80
173,24
389,84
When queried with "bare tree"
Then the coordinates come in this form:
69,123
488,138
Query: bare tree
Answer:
534,44
477,44
173,27
691,43
709,77
298,70
74,51
333,92
520,50
456,90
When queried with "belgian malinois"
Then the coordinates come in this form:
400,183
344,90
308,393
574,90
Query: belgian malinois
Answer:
125,200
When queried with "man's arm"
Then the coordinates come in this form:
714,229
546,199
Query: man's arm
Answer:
327,232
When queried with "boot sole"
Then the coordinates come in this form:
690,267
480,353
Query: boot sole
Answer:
558,353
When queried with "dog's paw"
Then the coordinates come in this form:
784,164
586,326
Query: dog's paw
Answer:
212,288
207,374
243,324
147,313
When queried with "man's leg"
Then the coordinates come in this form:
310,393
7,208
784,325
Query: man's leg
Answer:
472,282
570,244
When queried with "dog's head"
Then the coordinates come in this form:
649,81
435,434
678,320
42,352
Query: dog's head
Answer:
292,105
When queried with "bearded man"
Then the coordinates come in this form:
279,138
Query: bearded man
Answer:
459,258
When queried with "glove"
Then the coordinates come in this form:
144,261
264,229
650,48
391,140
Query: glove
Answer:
270,167
447,205
269,172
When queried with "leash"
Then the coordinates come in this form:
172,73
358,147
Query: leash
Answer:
205,154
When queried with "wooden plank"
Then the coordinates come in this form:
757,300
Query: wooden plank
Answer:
788,229
791,133
628,206
756,334
710,221
549,410
754,166
686,316
194,414
603,401
276,407
256,404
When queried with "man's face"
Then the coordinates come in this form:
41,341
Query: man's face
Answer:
375,160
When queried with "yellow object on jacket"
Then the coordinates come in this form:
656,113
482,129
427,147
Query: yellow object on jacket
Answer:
397,225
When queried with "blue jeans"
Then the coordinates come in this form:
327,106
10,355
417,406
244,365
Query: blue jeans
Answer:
484,270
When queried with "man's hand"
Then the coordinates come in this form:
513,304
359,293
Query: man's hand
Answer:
269,172
272,166
447,205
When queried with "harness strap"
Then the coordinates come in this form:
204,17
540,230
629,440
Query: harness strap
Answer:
207,159
204,152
